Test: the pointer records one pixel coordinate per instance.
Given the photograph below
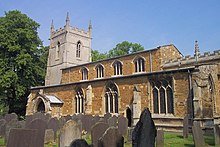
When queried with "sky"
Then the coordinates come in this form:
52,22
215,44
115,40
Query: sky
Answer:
151,23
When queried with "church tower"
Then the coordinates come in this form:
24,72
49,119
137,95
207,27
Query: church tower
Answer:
68,47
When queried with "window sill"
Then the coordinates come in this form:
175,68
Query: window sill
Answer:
117,75
139,72
162,115
83,80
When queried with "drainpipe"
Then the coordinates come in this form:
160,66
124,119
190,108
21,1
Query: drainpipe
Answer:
191,92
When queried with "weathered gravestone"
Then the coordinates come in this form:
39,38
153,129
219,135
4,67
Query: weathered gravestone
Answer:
95,120
160,138
79,143
49,136
68,117
217,134
40,125
9,117
198,135
41,116
2,127
122,125
22,138
106,117
111,138
113,121
145,131
69,132
97,131
14,123
53,124
185,127
130,131
87,122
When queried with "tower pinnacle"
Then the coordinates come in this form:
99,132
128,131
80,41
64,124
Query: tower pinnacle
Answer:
197,52
67,20
52,27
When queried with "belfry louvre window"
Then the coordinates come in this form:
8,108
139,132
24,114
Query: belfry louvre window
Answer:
117,68
78,49
111,98
79,101
162,92
139,65
99,71
84,72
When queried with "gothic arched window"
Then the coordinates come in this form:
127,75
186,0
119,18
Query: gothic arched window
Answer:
99,71
84,72
57,50
139,64
162,93
41,106
78,49
79,101
117,68
111,98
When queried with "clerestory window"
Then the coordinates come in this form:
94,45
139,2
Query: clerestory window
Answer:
117,68
84,72
139,65
99,71
79,101
111,98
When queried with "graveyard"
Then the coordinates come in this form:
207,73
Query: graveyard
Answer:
40,130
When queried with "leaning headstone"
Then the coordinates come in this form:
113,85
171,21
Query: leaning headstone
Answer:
106,117
97,131
113,121
185,127
22,138
53,124
40,125
122,125
198,135
9,117
111,138
145,131
79,143
49,136
70,131
217,134
160,138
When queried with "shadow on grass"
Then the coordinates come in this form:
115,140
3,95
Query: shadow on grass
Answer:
189,145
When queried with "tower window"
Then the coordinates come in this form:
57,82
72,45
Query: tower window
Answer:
162,93
117,68
99,71
78,49
84,73
139,65
57,50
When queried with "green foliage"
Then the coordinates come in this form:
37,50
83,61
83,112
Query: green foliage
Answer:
22,59
123,48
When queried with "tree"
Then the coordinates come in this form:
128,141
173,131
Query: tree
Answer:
22,62
96,55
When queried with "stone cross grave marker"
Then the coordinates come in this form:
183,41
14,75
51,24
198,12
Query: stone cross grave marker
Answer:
198,135
40,125
111,138
122,125
145,131
22,138
97,131
69,132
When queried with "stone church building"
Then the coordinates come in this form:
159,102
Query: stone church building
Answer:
171,85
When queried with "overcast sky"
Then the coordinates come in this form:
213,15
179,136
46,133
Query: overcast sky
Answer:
150,23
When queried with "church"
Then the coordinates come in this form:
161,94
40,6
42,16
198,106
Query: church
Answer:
171,85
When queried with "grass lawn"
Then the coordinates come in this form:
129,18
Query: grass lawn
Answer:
170,140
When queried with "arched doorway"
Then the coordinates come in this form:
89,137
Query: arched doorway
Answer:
41,106
129,116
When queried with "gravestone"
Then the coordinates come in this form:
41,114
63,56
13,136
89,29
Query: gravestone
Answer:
42,116
68,117
9,117
87,122
111,138
160,138
53,124
28,119
113,121
14,123
40,125
79,143
22,138
217,134
49,136
69,132
130,131
97,131
62,121
95,120
197,135
106,117
185,127
2,127
145,131
122,125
